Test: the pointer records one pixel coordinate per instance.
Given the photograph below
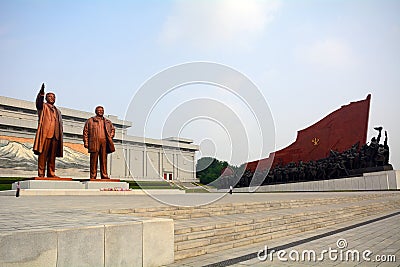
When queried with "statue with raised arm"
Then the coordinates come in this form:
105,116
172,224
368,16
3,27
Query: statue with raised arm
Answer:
386,147
48,142
97,138
379,129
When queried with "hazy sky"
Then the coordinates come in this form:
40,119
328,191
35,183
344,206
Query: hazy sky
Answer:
306,57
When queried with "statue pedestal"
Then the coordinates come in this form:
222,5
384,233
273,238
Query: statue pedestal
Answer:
105,180
51,179
112,184
69,183
49,183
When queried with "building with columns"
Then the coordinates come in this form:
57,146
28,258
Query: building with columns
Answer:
138,158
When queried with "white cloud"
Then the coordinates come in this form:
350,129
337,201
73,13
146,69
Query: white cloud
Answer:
332,53
218,23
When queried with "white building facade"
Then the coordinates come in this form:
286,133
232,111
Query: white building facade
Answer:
138,158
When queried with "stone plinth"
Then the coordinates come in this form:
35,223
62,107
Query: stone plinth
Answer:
105,180
52,183
52,179
90,192
68,183
104,184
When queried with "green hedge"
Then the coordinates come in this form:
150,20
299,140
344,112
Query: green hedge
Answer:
6,182
151,185
5,187
10,180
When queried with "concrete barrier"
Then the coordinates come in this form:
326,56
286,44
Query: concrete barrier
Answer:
81,246
158,242
28,248
149,242
124,245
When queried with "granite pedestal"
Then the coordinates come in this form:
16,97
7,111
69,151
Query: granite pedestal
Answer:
68,183
49,184
104,184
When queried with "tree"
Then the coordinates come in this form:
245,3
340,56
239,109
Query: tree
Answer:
209,169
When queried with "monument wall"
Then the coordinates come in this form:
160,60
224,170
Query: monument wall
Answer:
337,131
135,157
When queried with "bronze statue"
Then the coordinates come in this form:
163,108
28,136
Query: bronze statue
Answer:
49,135
97,138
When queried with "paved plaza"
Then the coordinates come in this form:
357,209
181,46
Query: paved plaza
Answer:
33,212
381,236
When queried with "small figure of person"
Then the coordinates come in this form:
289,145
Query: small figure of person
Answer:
97,138
18,189
230,189
48,142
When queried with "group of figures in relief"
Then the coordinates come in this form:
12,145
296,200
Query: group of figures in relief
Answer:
98,134
354,161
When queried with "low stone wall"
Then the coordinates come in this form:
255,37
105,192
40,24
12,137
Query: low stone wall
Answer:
45,184
90,192
140,243
384,180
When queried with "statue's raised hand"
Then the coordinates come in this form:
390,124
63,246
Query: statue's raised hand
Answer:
42,89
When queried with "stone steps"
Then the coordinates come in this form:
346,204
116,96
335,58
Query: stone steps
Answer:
199,240
215,227
181,213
